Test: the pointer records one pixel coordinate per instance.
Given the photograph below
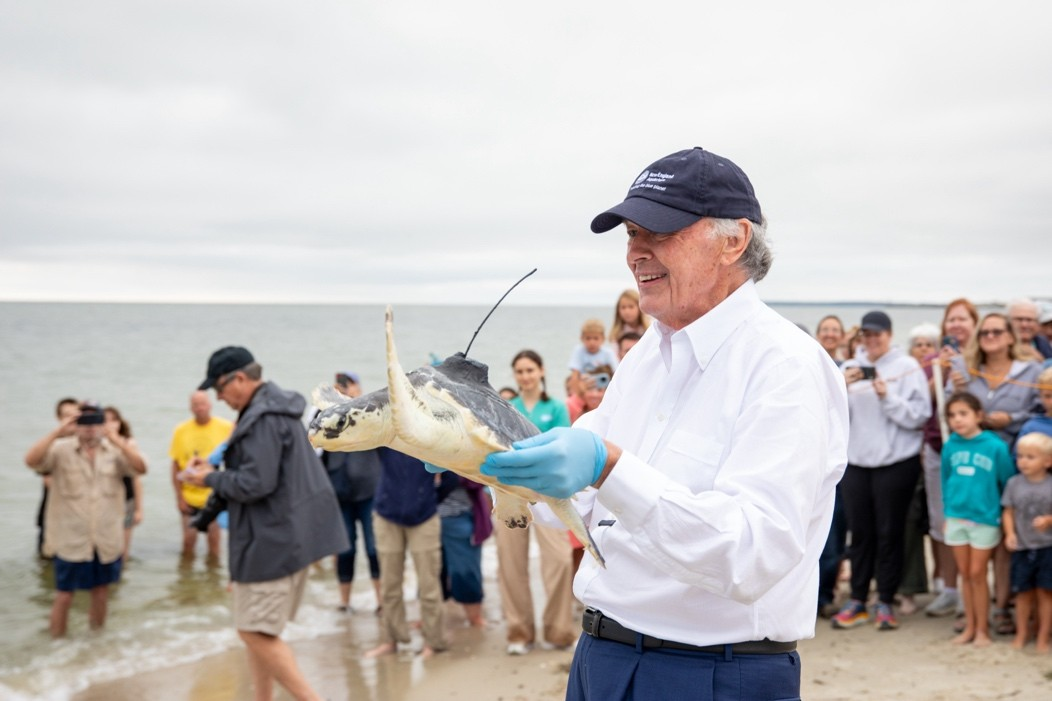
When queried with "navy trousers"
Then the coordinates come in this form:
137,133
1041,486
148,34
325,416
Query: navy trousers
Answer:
604,670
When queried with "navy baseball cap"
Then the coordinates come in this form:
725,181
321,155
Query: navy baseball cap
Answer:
224,361
876,321
680,189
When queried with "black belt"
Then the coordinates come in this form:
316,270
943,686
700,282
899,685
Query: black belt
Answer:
599,626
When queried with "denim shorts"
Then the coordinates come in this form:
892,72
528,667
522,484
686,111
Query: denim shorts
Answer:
980,536
1031,569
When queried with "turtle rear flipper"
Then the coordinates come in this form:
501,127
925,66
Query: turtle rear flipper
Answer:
512,511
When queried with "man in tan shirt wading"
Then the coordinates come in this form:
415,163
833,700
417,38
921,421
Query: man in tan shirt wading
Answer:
84,526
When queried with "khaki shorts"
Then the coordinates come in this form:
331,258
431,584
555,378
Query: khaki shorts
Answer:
265,607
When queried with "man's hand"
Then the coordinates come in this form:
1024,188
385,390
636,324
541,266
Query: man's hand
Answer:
196,471
67,427
1011,542
1042,523
557,463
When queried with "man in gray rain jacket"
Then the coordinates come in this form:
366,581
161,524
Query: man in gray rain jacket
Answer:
283,513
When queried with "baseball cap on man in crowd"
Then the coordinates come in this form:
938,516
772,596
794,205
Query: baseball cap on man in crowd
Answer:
681,188
876,321
224,361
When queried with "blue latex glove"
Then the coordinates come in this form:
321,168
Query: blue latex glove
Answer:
215,459
433,469
557,463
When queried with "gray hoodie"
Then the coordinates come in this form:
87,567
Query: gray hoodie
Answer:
1017,395
283,513
889,430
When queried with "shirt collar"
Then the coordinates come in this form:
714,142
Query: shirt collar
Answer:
707,333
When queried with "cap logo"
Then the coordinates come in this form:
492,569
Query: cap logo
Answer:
648,180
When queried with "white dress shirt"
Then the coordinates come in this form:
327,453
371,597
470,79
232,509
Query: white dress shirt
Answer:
734,435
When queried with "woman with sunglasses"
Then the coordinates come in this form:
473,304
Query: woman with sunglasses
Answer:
993,369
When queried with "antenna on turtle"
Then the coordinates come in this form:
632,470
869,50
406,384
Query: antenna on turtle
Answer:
495,309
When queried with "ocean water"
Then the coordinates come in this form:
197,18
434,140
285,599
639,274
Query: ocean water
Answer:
146,359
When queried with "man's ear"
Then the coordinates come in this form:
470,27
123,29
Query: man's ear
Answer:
734,246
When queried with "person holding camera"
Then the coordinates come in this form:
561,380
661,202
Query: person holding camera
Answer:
283,513
84,525
889,404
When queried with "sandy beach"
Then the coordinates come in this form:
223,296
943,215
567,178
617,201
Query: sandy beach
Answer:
916,662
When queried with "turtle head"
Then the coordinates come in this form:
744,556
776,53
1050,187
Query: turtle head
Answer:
347,425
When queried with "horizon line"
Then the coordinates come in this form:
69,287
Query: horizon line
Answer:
301,303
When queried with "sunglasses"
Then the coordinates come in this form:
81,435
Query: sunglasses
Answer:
992,333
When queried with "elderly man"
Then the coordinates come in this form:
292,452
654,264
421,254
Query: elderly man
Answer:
283,513
198,436
1024,316
84,528
713,457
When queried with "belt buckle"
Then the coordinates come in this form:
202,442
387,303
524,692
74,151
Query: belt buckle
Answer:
593,624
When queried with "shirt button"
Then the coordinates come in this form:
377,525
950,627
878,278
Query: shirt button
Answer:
661,417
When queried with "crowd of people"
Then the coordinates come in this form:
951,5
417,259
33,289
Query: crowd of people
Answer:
946,434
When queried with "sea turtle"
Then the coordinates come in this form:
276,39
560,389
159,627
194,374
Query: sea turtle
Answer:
447,415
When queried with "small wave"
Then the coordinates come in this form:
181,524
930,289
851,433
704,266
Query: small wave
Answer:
56,670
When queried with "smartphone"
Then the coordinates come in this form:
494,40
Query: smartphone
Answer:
868,372
951,342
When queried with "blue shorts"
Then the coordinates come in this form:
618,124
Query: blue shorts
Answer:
70,576
980,536
1031,569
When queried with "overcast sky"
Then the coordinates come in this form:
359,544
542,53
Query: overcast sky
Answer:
434,152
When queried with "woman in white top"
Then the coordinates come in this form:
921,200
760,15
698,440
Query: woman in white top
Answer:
888,404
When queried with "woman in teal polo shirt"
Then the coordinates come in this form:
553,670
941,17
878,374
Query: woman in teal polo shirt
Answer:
513,544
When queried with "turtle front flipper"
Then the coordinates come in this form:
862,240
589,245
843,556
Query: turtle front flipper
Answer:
414,422
512,511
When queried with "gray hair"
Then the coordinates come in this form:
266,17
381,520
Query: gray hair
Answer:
1022,302
926,331
756,260
253,371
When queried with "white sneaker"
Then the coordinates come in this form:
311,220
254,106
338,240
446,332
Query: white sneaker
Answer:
518,648
944,604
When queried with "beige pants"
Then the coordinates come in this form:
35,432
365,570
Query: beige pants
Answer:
424,544
513,575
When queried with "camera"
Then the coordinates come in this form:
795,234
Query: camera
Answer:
868,372
208,513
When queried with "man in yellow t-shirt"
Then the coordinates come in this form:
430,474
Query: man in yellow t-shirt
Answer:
196,437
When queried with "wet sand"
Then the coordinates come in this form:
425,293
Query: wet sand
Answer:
916,662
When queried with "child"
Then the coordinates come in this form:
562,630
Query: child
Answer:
1027,502
628,317
1041,423
590,354
975,467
